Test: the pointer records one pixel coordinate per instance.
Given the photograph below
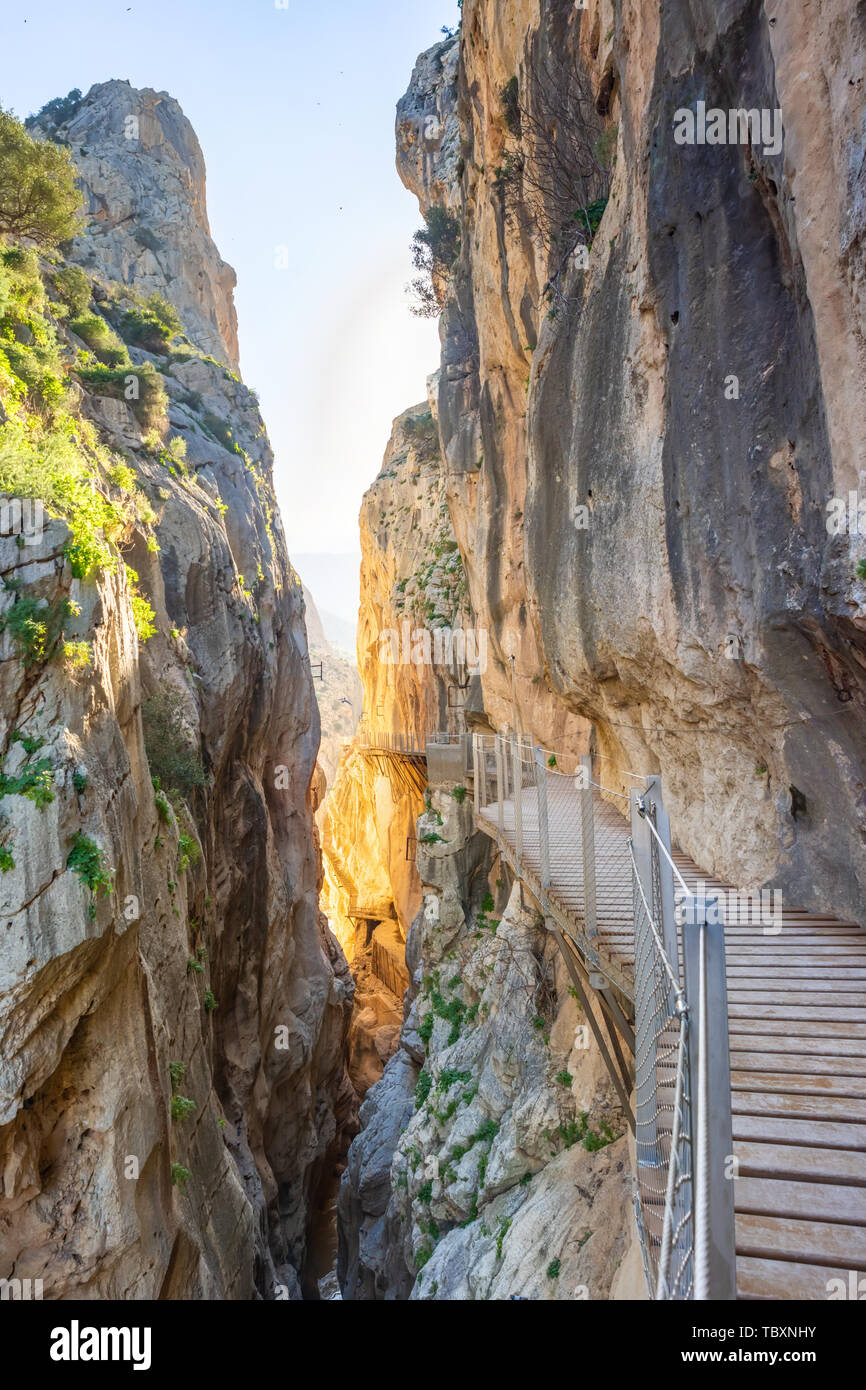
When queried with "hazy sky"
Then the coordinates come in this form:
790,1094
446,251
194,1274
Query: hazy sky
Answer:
294,109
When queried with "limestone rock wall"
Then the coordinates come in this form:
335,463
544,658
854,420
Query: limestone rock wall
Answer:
412,586
197,965
492,1160
142,173
704,620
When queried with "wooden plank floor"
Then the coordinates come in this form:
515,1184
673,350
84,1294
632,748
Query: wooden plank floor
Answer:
797,1029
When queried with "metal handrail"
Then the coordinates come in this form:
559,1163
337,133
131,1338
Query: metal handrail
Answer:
662,846
686,1224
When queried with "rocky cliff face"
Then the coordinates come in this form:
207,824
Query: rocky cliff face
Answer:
143,176
642,442
412,588
645,407
173,1003
491,1160
413,593
495,1100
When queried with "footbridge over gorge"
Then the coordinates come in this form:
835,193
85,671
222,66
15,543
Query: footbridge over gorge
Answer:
733,1026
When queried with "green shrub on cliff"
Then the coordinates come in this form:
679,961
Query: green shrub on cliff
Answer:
181,1107
142,614
189,851
58,111
435,248
173,759
87,861
36,625
35,781
151,323
180,1176
422,1088
38,195
510,100
50,464
95,332
141,387
73,289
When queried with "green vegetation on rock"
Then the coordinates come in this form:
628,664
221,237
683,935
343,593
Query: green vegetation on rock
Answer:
38,195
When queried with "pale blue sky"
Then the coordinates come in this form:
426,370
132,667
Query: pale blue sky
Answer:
294,109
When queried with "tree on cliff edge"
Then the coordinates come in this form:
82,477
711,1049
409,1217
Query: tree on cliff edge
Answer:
38,196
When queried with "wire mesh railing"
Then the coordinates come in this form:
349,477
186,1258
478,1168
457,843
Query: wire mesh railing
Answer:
663,1119
599,857
568,829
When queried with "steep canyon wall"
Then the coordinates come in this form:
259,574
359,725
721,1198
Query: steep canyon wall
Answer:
647,403
174,1005
698,612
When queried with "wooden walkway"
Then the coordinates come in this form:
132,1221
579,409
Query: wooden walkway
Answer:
797,1029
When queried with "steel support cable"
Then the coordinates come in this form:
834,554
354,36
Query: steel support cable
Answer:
625,796
663,848
681,999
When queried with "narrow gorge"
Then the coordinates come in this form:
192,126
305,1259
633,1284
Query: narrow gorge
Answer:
524,962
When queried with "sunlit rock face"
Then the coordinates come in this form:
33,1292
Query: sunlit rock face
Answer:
143,176
704,619
206,969
413,595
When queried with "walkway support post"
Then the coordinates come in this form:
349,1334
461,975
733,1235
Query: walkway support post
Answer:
543,822
476,775
667,905
500,780
587,840
644,1021
517,773
710,1086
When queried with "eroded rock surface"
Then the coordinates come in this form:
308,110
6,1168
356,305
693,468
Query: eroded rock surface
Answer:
196,966
412,588
143,175
703,619
492,1160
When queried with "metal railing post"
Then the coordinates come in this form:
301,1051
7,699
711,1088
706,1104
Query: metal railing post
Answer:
476,773
710,1084
543,822
500,789
667,906
644,994
587,840
517,773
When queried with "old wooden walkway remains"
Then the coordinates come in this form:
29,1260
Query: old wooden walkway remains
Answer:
795,1019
